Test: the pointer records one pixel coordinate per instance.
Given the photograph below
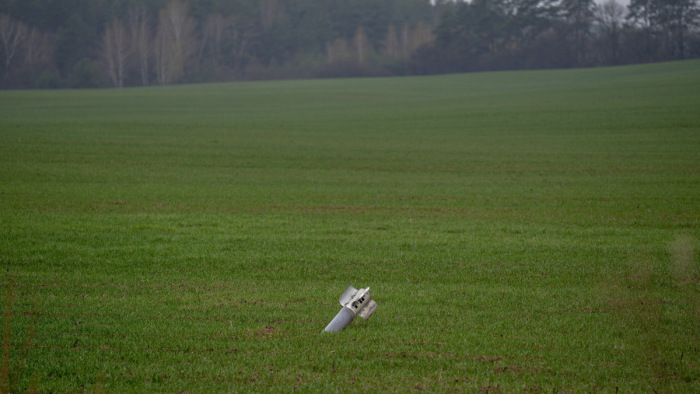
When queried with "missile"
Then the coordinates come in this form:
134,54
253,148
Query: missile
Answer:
354,302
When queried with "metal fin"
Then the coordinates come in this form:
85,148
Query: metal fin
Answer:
347,295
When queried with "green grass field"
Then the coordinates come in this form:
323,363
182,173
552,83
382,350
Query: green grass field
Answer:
519,230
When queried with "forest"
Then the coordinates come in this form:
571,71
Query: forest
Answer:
50,44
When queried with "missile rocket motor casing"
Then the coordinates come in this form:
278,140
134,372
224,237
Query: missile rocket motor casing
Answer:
354,302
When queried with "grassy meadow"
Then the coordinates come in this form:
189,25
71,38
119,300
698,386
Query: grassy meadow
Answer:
520,231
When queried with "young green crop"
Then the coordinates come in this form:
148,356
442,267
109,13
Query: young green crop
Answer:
520,231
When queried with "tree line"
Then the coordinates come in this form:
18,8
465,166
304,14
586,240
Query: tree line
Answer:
97,43
527,34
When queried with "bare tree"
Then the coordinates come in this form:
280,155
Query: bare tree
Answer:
212,34
175,42
610,16
405,39
239,32
12,36
271,12
361,45
161,60
338,52
141,40
37,48
392,46
115,52
420,36
408,41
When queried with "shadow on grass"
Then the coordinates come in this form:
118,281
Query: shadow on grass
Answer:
657,307
11,368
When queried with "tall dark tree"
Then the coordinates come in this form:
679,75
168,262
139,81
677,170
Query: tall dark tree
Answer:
640,16
75,41
677,17
578,15
665,25
470,32
527,19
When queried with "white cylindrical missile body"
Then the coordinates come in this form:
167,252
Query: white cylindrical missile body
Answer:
341,320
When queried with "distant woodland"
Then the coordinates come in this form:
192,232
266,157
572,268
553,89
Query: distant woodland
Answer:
118,43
